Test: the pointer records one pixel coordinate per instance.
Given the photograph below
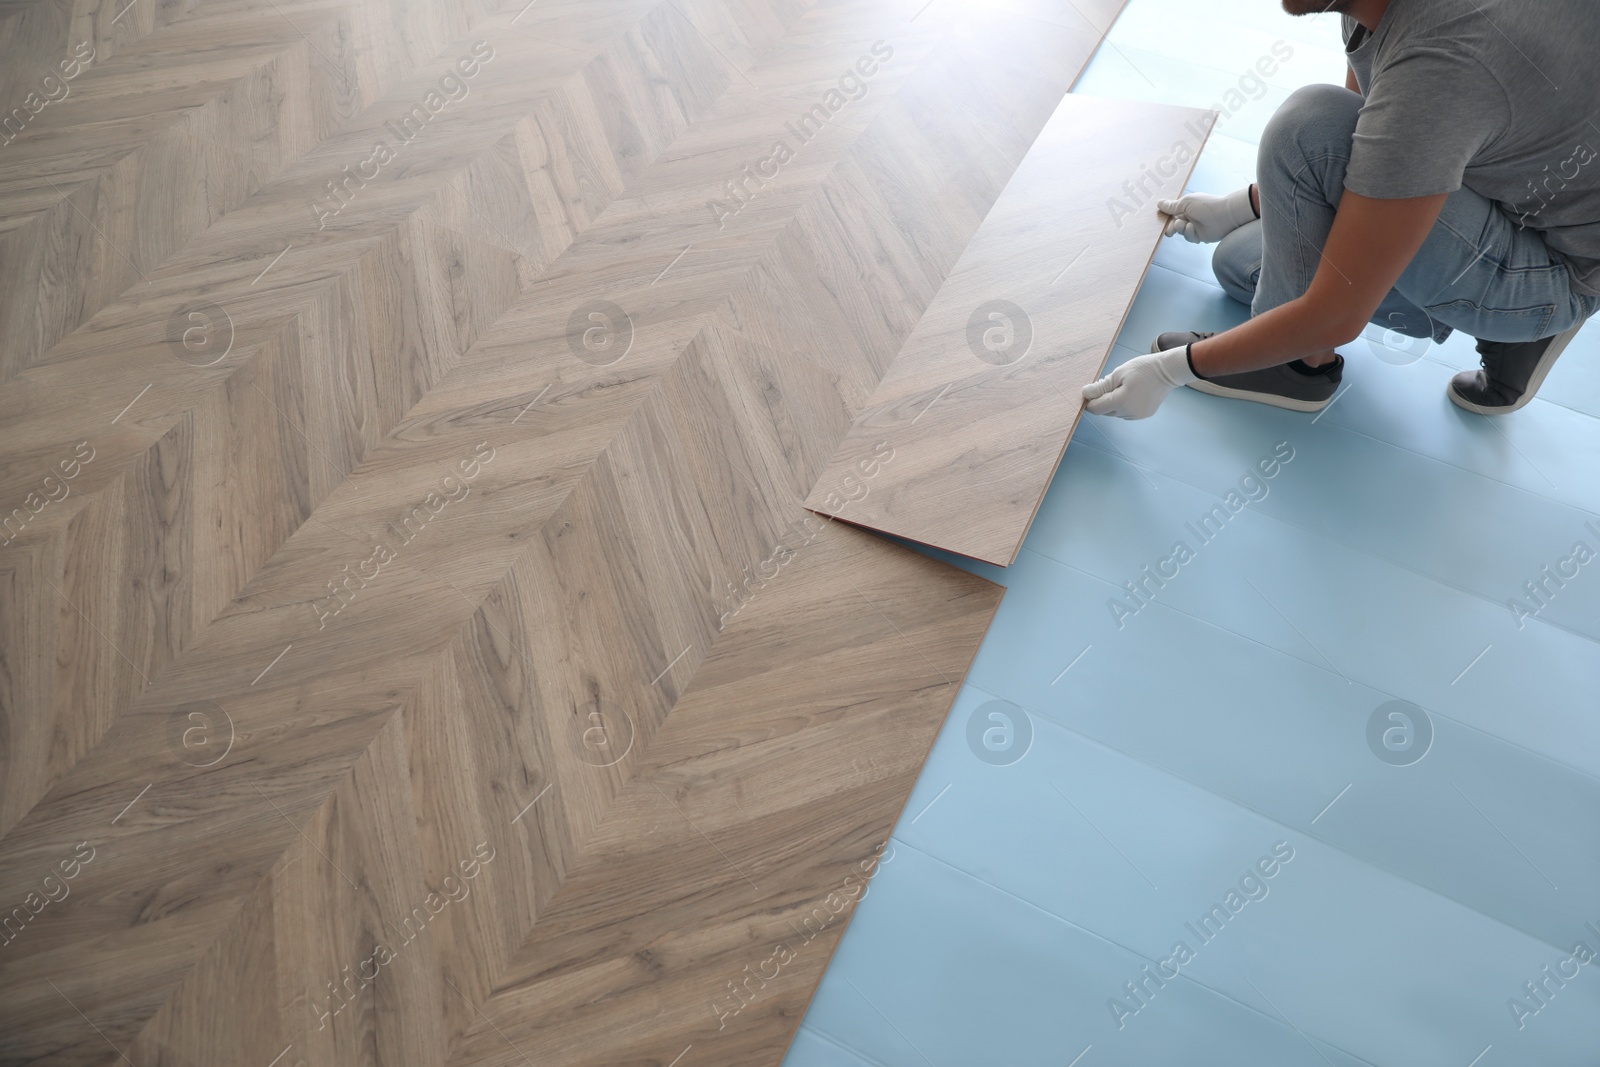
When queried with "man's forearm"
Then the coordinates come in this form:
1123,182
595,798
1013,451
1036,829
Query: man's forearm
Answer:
1292,331
1383,236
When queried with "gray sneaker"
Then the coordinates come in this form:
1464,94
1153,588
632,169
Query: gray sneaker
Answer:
1511,373
1281,386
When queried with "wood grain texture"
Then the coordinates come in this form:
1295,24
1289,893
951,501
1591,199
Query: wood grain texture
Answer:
981,401
341,551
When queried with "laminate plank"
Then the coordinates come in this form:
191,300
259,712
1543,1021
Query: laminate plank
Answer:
848,307
981,401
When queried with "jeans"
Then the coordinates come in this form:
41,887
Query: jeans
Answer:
1477,272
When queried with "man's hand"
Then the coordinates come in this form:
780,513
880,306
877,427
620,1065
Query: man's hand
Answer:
1206,219
1135,389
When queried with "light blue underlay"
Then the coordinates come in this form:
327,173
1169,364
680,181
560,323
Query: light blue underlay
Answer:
1331,667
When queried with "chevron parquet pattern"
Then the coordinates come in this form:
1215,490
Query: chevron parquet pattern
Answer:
413,649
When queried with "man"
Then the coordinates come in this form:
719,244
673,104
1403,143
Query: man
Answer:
1453,183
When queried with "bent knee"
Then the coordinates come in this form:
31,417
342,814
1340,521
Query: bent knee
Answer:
1313,114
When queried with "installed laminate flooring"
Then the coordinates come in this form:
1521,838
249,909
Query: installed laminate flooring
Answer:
413,648
986,393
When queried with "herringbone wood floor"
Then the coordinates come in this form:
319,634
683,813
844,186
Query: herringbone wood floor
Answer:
407,601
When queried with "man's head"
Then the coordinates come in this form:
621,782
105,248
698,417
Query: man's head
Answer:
1313,7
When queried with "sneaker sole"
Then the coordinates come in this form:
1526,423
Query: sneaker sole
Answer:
1287,403
1540,370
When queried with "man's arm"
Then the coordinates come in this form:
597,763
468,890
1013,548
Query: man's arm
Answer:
1371,244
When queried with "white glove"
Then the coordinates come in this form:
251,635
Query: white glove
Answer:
1135,389
1205,219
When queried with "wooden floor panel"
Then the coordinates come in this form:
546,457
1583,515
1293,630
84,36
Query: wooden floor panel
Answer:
985,394
743,821
378,568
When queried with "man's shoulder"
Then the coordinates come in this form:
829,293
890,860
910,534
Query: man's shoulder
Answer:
1497,36
1433,19
1476,22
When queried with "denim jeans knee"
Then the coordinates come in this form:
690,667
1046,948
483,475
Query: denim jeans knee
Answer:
1314,123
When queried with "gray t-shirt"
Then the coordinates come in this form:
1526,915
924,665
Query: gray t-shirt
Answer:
1500,96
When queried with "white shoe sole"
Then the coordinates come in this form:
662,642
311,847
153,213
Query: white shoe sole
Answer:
1540,370
1287,403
